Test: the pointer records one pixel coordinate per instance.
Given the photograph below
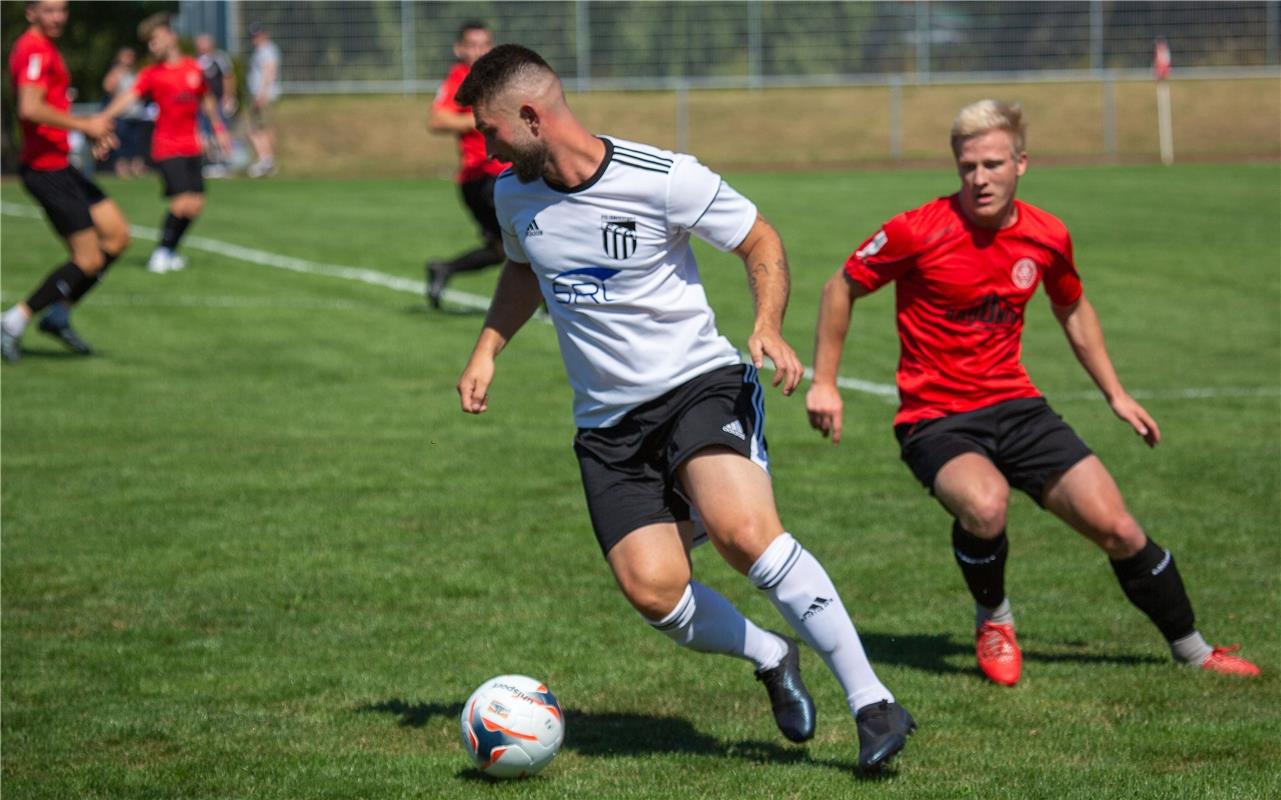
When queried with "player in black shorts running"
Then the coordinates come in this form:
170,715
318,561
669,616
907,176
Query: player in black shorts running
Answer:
91,224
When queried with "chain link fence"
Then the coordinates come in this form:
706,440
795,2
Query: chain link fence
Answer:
379,46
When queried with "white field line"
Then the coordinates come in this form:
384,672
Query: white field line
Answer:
411,286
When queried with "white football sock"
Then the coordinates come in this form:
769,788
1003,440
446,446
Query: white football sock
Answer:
705,621
1001,615
803,593
14,321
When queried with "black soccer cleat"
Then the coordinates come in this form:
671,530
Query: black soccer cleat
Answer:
883,729
791,701
69,338
10,346
438,273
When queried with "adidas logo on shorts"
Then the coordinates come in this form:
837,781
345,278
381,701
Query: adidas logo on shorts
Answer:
735,428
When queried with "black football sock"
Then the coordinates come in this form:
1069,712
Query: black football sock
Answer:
1151,581
172,230
92,280
476,259
58,285
982,563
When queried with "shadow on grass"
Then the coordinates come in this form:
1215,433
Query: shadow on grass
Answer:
613,734
447,309
935,652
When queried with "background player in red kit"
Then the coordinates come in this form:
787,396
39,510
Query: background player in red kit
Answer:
91,224
177,85
476,172
971,424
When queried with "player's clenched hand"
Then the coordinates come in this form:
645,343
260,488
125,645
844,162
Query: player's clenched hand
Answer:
826,410
1128,409
98,126
473,386
787,367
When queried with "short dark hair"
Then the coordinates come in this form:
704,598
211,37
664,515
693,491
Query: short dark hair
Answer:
149,25
493,71
470,25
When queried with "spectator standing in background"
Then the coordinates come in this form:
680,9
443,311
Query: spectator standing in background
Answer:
220,83
131,125
264,89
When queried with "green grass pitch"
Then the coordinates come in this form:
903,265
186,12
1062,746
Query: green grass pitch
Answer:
253,550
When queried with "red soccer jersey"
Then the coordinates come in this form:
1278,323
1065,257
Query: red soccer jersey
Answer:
473,161
35,61
176,89
960,297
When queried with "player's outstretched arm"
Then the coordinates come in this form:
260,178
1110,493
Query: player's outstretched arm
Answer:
1084,332
210,107
515,300
823,402
442,120
33,108
767,274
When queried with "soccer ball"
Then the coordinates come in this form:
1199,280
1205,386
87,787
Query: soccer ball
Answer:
512,726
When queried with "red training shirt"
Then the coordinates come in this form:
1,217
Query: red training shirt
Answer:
176,89
35,61
474,162
959,301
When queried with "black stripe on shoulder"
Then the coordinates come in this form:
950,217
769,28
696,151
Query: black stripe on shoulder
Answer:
641,165
709,203
641,155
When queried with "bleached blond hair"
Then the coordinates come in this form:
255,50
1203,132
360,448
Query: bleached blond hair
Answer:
989,115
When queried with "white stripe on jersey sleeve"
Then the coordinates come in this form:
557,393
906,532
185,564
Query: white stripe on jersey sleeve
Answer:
700,202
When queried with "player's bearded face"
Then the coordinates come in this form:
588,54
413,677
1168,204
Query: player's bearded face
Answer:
528,160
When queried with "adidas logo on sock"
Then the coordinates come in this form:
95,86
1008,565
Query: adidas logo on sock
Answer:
818,605
735,428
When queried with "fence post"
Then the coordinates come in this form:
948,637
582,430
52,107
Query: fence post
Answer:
1109,115
1096,35
682,115
583,45
923,41
1273,26
896,117
754,44
407,69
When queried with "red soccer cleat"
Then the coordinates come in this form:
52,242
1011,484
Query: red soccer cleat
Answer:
1223,662
999,656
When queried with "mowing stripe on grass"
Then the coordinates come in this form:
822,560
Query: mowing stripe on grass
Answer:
412,286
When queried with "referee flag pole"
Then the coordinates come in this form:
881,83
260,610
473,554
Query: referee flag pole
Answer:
1165,126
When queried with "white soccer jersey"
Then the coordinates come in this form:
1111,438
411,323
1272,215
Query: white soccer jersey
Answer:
614,264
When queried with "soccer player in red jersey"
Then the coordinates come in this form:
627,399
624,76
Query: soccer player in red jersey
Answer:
971,424
177,85
476,172
91,224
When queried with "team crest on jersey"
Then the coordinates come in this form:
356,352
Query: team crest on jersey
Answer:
1023,273
587,285
194,79
618,236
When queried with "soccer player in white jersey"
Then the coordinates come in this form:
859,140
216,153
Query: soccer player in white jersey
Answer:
671,423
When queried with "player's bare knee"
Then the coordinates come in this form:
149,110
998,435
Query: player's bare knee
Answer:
654,597
90,261
1122,537
984,515
742,539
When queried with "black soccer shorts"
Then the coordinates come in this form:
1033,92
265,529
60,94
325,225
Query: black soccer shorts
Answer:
479,197
629,469
1024,438
182,175
66,196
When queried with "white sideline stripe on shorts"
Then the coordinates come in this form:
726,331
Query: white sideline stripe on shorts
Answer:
411,286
